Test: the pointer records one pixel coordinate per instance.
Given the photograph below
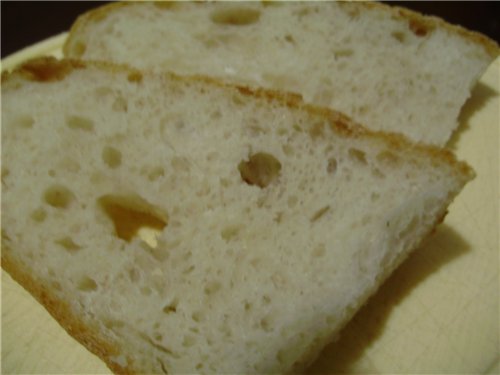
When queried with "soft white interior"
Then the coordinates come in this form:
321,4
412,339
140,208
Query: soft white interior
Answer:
244,278
384,71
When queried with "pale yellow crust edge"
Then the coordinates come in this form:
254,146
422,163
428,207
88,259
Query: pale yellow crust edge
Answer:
489,45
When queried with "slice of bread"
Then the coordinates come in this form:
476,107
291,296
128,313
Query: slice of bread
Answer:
275,220
386,67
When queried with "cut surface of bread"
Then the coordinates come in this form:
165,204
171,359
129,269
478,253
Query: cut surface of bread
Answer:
270,221
387,68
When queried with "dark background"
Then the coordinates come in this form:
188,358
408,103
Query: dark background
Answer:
27,22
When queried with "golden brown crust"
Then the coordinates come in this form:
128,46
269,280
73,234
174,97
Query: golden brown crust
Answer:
45,69
415,19
420,24
93,15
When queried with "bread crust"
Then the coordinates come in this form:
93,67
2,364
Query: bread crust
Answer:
415,21
63,314
431,22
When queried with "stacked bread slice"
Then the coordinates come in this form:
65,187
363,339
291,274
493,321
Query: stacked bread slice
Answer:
386,67
269,221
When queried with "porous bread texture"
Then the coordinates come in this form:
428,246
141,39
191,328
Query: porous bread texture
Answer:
386,67
276,220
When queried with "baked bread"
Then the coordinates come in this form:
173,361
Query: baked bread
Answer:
275,220
386,67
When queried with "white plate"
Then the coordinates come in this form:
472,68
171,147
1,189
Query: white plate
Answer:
438,313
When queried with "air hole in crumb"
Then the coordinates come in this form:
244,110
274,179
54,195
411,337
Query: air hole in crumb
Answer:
180,164
188,341
266,299
171,307
357,155
230,232
331,167
212,287
80,123
23,121
146,291
378,173
197,316
217,114
58,196
156,173
317,129
188,270
135,77
120,104
87,284
213,155
68,244
225,182
319,251
290,39
255,262
260,169
318,214
235,16
134,275
418,28
130,214
288,150
158,336
111,157
400,36
79,48
266,324
278,217
341,53
39,215
5,173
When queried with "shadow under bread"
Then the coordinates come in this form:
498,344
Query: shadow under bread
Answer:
480,95
346,355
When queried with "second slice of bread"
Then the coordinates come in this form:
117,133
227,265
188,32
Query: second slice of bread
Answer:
383,66
276,220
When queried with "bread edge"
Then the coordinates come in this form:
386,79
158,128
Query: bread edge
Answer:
61,311
490,46
310,357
